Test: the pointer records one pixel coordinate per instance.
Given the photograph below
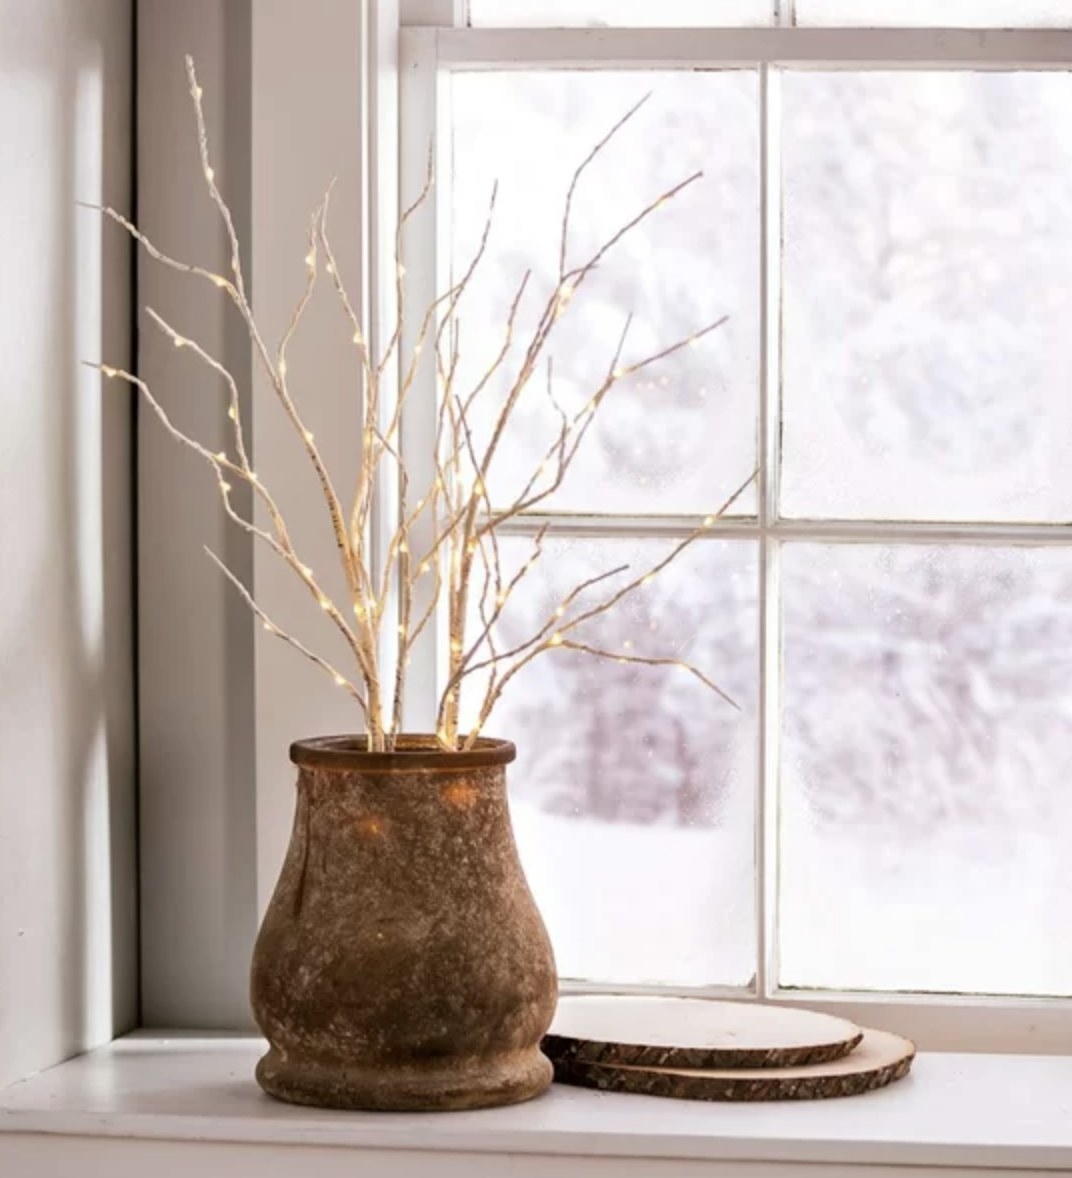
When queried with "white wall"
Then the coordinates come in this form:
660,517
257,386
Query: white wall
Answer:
68,975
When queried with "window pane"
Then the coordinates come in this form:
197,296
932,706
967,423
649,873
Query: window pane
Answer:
617,13
928,248
679,435
632,795
926,810
951,14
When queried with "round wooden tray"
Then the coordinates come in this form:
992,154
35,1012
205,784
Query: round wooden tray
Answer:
650,1031
880,1059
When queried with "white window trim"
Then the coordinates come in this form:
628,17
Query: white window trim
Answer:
428,56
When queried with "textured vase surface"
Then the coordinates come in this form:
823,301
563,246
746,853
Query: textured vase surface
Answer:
402,962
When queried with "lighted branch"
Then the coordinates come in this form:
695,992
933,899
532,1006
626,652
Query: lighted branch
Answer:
442,555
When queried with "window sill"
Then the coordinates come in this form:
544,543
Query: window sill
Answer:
175,1101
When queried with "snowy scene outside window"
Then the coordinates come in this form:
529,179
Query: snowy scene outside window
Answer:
923,735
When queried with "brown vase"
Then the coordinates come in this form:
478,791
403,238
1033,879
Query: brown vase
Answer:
402,962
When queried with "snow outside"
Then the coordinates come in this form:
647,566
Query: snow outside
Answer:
926,739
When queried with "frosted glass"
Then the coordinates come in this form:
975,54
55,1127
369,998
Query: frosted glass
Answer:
680,435
926,810
1002,14
618,13
633,791
928,247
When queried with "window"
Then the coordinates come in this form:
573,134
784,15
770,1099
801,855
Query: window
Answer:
885,218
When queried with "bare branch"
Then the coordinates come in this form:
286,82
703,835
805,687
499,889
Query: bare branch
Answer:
338,678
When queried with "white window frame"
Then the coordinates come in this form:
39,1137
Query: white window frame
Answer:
438,43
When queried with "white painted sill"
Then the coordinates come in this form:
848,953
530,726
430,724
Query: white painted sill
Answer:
165,1105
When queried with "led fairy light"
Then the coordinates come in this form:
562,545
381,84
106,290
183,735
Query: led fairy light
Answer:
448,530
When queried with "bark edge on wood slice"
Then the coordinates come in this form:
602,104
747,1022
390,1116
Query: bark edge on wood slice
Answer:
662,1032
881,1059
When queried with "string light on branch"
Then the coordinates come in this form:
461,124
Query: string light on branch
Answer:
456,521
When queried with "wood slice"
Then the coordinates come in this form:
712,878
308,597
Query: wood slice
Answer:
880,1059
650,1031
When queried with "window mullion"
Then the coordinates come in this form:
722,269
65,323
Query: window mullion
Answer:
768,719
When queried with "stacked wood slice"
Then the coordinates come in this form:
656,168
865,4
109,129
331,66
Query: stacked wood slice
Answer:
700,1049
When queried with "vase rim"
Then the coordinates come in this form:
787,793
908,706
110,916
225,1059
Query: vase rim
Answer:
412,751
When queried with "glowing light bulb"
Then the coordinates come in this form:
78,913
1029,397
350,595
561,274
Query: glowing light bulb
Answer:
330,267
269,627
402,630
340,681
210,175
618,373
196,92
648,579
221,457
282,368
306,570
325,604
232,413
401,270
108,371
218,280
555,640
308,435
177,341
358,338
225,487
310,259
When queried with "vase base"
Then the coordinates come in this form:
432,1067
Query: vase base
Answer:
438,1087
